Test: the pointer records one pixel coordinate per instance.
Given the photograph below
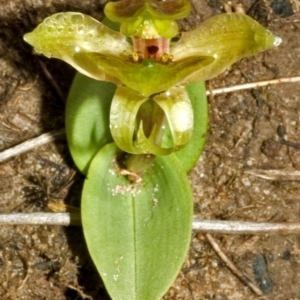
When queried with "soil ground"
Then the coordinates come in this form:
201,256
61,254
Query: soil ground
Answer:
248,134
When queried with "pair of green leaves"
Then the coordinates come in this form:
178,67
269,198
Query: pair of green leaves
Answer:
137,233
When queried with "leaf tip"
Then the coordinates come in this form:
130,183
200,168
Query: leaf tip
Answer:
29,38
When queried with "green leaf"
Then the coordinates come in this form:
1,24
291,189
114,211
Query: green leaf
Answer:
138,234
227,38
189,155
87,118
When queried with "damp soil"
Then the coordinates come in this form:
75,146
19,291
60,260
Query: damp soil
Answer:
250,132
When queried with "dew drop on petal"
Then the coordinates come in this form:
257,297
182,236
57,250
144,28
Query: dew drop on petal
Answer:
277,41
182,116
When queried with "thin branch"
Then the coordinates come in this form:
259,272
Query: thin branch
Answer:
52,81
274,174
242,227
241,276
252,85
32,143
199,225
64,219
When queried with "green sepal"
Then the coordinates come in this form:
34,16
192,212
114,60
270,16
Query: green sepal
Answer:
227,38
87,118
138,234
64,35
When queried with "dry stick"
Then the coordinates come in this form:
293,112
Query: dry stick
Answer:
52,81
274,174
242,277
199,225
244,227
64,218
253,85
32,143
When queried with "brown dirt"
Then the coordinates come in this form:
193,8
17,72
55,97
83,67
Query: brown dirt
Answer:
52,262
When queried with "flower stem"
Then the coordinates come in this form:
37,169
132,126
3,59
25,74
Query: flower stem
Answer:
139,163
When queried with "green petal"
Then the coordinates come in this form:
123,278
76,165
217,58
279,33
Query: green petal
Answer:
137,234
189,155
226,37
123,119
130,119
172,9
124,108
65,34
137,17
149,76
176,104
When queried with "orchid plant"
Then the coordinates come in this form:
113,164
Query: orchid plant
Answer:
136,119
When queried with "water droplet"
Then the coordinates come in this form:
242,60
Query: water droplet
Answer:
181,116
277,41
116,277
80,29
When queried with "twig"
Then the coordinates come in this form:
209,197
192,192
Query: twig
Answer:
79,291
275,174
288,143
242,227
52,81
199,225
253,85
24,281
40,219
31,144
242,277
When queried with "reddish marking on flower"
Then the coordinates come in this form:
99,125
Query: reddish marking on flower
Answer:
151,48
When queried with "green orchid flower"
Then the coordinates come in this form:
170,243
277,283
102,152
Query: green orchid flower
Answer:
148,66
101,53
